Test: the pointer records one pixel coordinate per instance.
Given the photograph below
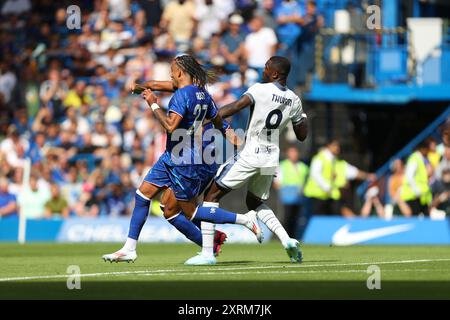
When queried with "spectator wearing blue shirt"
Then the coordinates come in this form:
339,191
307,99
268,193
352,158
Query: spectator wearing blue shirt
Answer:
35,152
232,44
115,201
8,203
312,22
289,16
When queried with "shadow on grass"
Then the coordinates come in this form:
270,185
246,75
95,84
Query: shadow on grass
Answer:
154,290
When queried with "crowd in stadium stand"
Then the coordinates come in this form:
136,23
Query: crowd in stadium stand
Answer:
65,101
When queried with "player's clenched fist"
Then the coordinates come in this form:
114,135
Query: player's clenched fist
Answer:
149,96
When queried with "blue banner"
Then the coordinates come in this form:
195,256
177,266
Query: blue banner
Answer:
320,230
343,232
106,229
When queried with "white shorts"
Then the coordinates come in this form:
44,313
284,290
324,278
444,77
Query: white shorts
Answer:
233,174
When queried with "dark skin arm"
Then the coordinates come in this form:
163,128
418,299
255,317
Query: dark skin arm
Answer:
169,122
234,107
301,130
217,121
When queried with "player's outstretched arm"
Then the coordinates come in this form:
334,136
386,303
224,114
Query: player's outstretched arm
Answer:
218,122
169,122
154,85
301,129
234,107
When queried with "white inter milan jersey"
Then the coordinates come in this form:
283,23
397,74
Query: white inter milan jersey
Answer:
274,106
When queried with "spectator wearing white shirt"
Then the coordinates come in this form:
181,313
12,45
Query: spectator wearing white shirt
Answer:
416,190
74,120
119,10
260,44
319,186
32,199
327,185
210,16
444,164
8,81
14,147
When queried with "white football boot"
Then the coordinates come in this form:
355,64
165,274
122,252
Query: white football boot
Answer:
121,256
253,225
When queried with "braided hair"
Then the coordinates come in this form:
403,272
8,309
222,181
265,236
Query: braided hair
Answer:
200,76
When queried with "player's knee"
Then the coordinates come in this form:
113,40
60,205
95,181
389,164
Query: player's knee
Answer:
147,192
252,201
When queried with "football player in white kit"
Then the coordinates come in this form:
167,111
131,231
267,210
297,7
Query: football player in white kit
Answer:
272,106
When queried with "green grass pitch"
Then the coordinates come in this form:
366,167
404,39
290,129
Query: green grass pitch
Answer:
39,271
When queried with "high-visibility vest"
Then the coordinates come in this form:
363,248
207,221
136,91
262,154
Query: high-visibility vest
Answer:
421,180
293,174
341,174
313,189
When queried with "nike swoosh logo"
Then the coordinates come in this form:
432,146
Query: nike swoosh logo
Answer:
343,237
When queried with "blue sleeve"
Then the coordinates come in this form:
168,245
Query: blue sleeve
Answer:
301,10
178,104
226,125
278,12
212,110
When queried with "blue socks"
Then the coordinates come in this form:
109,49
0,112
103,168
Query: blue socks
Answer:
140,213
187,227
214,215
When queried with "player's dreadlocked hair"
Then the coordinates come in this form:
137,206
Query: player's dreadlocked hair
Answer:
200,76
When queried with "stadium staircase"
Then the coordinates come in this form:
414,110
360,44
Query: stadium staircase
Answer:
431,130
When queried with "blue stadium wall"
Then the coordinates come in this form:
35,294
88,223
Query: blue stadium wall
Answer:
320,230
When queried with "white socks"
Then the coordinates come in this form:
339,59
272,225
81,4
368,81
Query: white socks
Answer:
208,230
241,219
130,245
266,215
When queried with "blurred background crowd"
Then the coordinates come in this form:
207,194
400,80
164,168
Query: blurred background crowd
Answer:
64,93
65,101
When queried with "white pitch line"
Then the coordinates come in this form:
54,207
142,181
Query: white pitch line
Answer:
177,271
286,272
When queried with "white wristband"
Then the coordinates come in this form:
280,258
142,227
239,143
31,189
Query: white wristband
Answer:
154,106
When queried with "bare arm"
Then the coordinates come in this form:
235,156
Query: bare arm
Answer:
301,129
8,209
170,122
235,106
65,212
153,85
217,121
362,175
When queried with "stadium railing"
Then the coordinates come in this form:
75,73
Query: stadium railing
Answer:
408,149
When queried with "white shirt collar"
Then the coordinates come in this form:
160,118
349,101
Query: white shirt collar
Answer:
328,154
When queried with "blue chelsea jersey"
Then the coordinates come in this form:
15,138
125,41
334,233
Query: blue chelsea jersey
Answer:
195,105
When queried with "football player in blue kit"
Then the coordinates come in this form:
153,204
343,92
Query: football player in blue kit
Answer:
181,168
192,229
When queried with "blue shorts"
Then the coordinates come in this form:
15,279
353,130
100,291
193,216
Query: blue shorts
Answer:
186,182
